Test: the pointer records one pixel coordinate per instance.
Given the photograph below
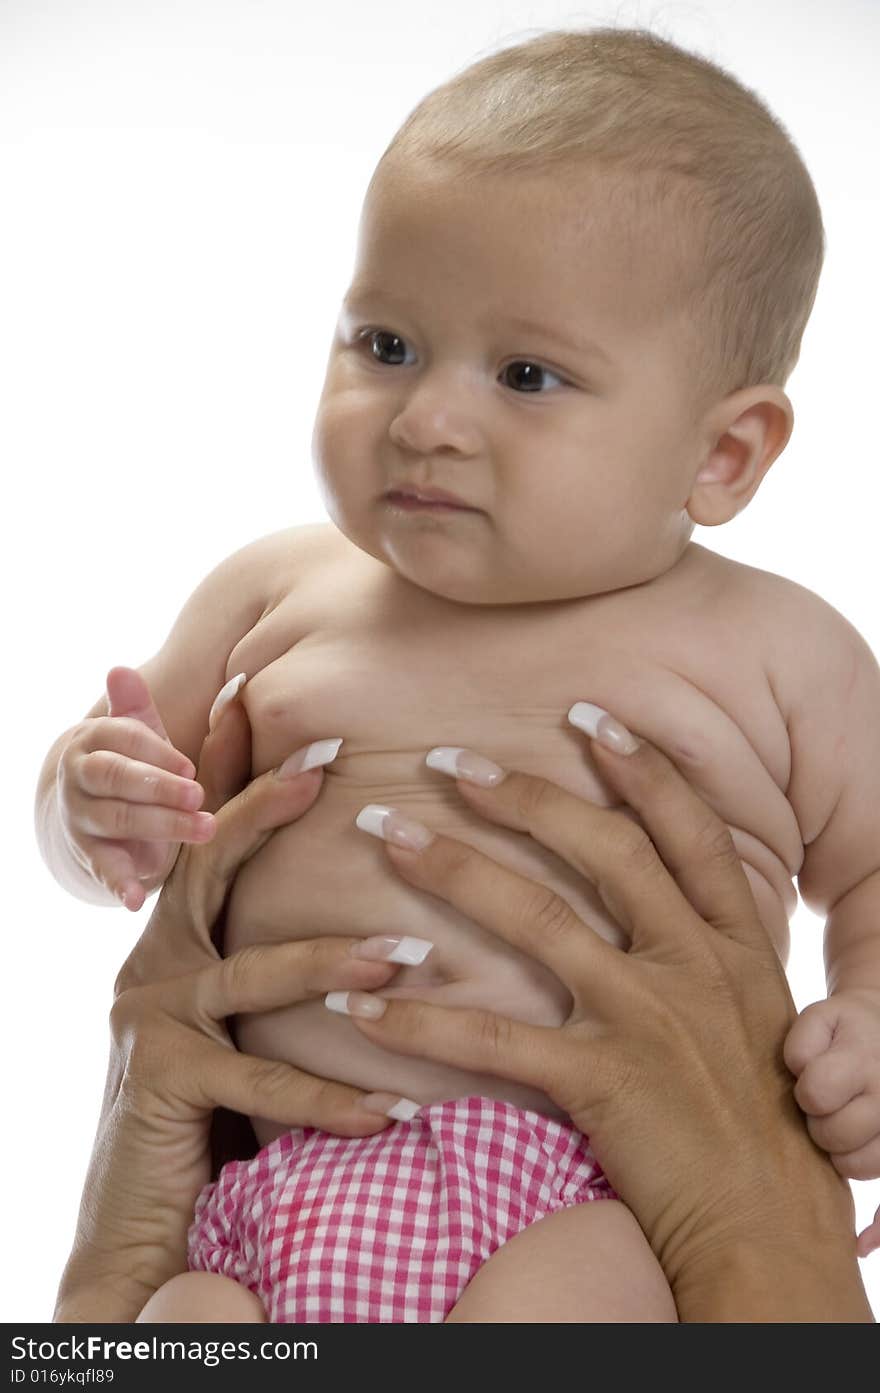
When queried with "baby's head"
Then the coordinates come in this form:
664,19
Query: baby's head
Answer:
583,272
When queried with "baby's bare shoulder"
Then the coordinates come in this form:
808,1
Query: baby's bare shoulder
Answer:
807,645
276,563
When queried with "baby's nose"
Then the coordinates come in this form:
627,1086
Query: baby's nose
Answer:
437,417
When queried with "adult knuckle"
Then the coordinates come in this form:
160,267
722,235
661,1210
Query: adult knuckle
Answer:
240,970
457,860
129,1020
714,844
493,1033
272,1077
533,797
638,855
544,912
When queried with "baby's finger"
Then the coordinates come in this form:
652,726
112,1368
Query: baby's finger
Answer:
810,1036
828,1082
105,774
112,865
130,737
848,1129
119,821
863,1164
129,695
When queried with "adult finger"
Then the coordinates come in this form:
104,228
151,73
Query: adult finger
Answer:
471,1039
278,1092
225,757
266,976
528,915
245,823
693,841
606,847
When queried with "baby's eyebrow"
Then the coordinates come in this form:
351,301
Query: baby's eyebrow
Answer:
584,347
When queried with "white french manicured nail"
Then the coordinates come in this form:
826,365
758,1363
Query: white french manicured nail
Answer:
465,764
356,1004
586,717
401,1109
410,951
391,826
597,722
312,756
224,696
405,1110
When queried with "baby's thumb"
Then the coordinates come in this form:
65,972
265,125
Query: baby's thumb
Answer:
129,695
811,1035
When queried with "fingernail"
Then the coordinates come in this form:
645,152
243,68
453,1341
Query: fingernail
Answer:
389,1105
465,764
594,721
310,757
356,1004
392,826
224,696
410,951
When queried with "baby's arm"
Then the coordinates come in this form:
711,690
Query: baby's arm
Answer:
831,698
113,799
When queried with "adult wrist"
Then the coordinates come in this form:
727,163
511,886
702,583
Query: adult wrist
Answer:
758,1280
85,1297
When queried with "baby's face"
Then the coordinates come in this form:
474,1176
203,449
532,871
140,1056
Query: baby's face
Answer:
507,414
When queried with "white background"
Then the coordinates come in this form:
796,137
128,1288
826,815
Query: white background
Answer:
180,184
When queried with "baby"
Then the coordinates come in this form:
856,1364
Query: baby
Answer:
584,268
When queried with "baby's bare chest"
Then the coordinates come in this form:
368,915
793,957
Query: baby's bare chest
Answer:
394,672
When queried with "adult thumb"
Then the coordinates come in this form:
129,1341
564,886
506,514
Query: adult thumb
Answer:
129,695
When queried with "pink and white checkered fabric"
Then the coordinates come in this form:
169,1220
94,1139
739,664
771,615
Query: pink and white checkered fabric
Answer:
390,1227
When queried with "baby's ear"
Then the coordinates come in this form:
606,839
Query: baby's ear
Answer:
744,434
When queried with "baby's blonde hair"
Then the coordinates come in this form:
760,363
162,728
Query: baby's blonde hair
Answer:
746,238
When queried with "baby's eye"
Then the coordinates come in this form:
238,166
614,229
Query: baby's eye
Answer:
529,377
386,347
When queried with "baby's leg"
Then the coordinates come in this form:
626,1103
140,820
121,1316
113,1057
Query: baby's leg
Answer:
202,1297
590,1263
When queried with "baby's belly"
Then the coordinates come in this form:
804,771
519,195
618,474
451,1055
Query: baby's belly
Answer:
322,876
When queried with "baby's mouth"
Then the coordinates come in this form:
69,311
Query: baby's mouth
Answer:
427,500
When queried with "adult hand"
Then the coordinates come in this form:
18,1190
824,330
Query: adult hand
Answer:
172,1061
671,1059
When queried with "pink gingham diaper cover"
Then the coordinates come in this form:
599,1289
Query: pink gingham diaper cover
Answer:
390,1227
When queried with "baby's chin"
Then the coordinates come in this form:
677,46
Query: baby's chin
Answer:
459,565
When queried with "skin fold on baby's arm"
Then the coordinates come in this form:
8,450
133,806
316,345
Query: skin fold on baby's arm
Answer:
827,683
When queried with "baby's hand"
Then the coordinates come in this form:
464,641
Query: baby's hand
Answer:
127,797
833,1049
